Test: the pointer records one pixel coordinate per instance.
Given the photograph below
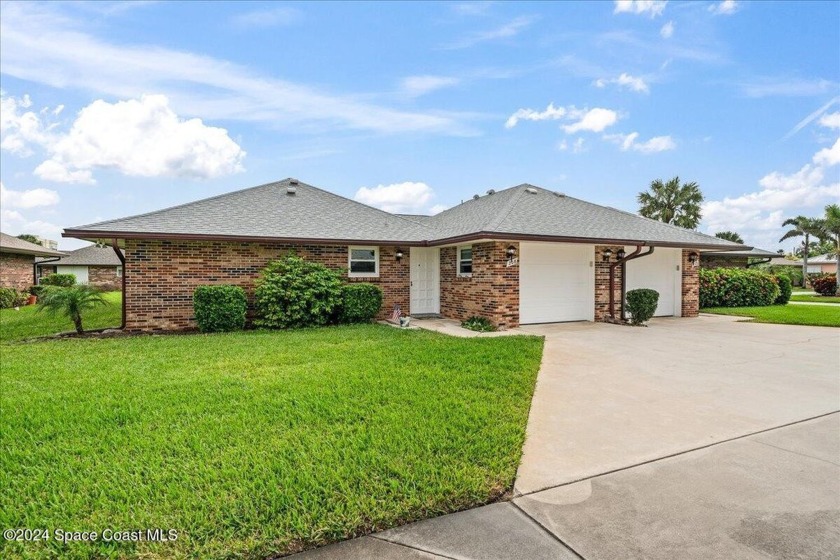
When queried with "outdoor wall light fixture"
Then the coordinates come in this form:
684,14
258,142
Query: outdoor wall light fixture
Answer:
399,255
692,258
621,254
511,252
607,254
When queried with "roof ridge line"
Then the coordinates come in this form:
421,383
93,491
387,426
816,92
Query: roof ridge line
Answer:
493,224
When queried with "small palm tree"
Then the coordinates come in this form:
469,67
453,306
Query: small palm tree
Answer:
807,227
70,301
672,203
831,230
730,236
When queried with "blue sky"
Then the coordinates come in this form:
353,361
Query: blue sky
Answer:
113,109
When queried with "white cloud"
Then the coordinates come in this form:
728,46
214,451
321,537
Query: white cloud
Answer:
830,120
20,128
594,120
725,8
551,113
416,86
404,198
506,31
814,115
758,215
628,142
28,198
667,30
14,223
43,46
577,146
624,81
787,87
437,209
652,7
270,17
137,137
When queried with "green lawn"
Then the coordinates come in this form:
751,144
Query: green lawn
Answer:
28,322
816,315
257,443
818,299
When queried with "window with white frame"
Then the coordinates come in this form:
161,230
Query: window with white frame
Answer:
119,272
465,260
363,261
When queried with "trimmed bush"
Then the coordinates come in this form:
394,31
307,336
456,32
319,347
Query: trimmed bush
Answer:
480,324
360,303
824,284
641,304
220,308
785,289
9,297
63,280
294,292
737,287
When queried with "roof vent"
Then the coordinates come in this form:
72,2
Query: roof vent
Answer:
293,181
531,190
291,190
558,193
476,197
491,191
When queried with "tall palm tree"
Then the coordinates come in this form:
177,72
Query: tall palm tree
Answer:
807,227
672,203
730,236
831,230
70,301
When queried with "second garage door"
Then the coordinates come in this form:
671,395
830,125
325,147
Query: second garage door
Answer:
556,282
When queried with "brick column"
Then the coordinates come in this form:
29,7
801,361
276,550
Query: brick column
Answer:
690,285
602,283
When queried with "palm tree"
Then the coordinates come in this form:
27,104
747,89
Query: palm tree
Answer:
831,230
807,227
70,301
730,236
672,203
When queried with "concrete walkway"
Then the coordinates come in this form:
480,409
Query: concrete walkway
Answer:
704,438
837,305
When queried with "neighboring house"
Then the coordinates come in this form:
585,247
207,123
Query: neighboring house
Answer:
825,264
516,256
784,261
736,259
17,261
96,264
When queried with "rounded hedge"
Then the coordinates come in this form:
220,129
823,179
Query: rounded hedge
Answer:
785,289
220,308
641,304
824,284
360,302
63,280
9,297
737,287
294,292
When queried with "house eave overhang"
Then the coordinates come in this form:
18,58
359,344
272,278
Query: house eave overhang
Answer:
567,239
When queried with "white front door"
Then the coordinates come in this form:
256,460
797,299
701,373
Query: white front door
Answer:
425,280
556,282
661,272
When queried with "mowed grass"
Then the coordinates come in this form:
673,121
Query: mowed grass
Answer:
815,299
257,443
814,315
28,322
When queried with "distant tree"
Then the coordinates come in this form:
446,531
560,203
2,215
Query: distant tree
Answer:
803,227
672,203
831,230
28,237
730,236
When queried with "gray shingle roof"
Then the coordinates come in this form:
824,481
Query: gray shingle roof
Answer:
267,211
92,255
754,252
11,244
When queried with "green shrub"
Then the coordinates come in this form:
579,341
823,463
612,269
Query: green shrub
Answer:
35,290
294,292
736,287
641,304
63,280
785,289
792,272
9,297
480,324
220,308
360,303
824,284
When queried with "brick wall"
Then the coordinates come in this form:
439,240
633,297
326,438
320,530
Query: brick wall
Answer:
16,271
162,275
602,283
492,291
690,286
104,277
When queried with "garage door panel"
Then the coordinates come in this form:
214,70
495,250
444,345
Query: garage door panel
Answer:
661,272
556,283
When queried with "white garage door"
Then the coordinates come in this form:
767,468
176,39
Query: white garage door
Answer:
81,272
556,282
661,272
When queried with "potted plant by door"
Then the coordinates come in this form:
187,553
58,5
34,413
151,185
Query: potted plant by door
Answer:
33,296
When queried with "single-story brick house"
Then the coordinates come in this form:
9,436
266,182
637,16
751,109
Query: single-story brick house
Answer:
95,264
516,256
17,261
736,259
